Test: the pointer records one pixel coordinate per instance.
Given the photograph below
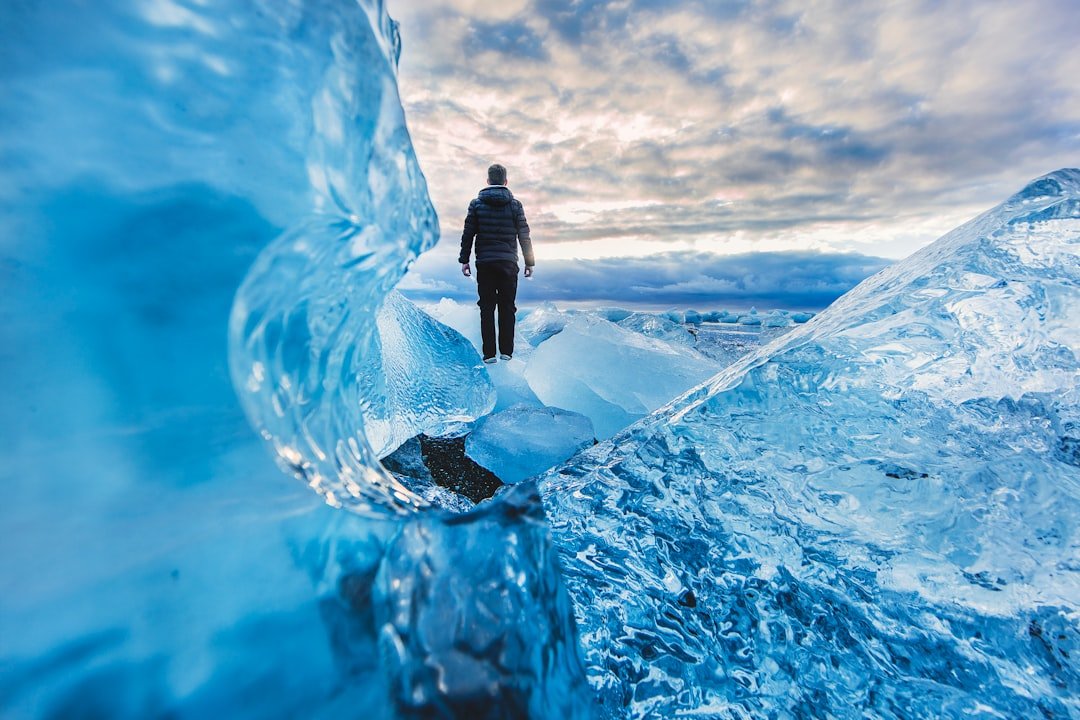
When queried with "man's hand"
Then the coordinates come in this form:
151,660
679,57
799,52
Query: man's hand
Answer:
528,271
466,270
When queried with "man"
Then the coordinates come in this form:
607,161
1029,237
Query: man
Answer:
496,220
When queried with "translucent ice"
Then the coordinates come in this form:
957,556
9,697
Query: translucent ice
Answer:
463,317
542,323
777,319
155,562
612,375
873,516
522,441
410,345
658,326
508,378
750,318
476,606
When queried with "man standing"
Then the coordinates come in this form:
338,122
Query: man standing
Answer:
496,220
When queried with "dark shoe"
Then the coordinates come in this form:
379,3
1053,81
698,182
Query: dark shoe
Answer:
490,360
504,356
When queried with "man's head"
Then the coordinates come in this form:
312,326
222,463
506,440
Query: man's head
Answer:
496,175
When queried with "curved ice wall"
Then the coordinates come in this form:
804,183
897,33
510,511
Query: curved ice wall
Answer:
154,561
305,354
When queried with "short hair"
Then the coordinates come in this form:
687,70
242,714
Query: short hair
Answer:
496,175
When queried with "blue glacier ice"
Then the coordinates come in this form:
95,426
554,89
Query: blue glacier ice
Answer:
523,441
610,374
657,326
875,515
168,168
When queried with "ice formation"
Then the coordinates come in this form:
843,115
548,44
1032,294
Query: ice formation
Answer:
874,515
609,374
156,563
542,323
508,378
456,387
657,326
474,620
523,441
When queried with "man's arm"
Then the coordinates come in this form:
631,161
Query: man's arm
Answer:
467,236
524,239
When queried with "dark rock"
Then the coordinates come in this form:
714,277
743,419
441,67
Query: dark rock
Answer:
451,468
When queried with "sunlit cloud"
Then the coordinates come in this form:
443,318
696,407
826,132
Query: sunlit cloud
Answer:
727,127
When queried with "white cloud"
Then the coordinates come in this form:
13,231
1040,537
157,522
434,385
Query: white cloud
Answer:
766,126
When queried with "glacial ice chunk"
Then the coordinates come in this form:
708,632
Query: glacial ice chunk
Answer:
523,441
473,620
777,319
750,318
465,318
155,562
542,323
612,375
506,377
429,378
658,326
874,515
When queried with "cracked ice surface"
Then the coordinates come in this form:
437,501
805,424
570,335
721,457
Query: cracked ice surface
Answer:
875,514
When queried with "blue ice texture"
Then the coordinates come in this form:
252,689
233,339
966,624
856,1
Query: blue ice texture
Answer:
874,515
204,209
206,201
611,374
523,440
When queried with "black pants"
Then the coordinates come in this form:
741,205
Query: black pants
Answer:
497,284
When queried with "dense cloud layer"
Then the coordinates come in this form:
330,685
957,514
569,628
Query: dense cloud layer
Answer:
738,127
794,280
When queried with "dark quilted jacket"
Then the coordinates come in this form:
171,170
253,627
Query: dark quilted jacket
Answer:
497,221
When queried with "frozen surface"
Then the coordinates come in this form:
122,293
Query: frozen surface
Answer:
612,375
456,387
155,562
477,606
658,326
727,342
523,441
777,319
463,317
873,516
542,323
508,378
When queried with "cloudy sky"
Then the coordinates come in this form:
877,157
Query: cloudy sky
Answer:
712,153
